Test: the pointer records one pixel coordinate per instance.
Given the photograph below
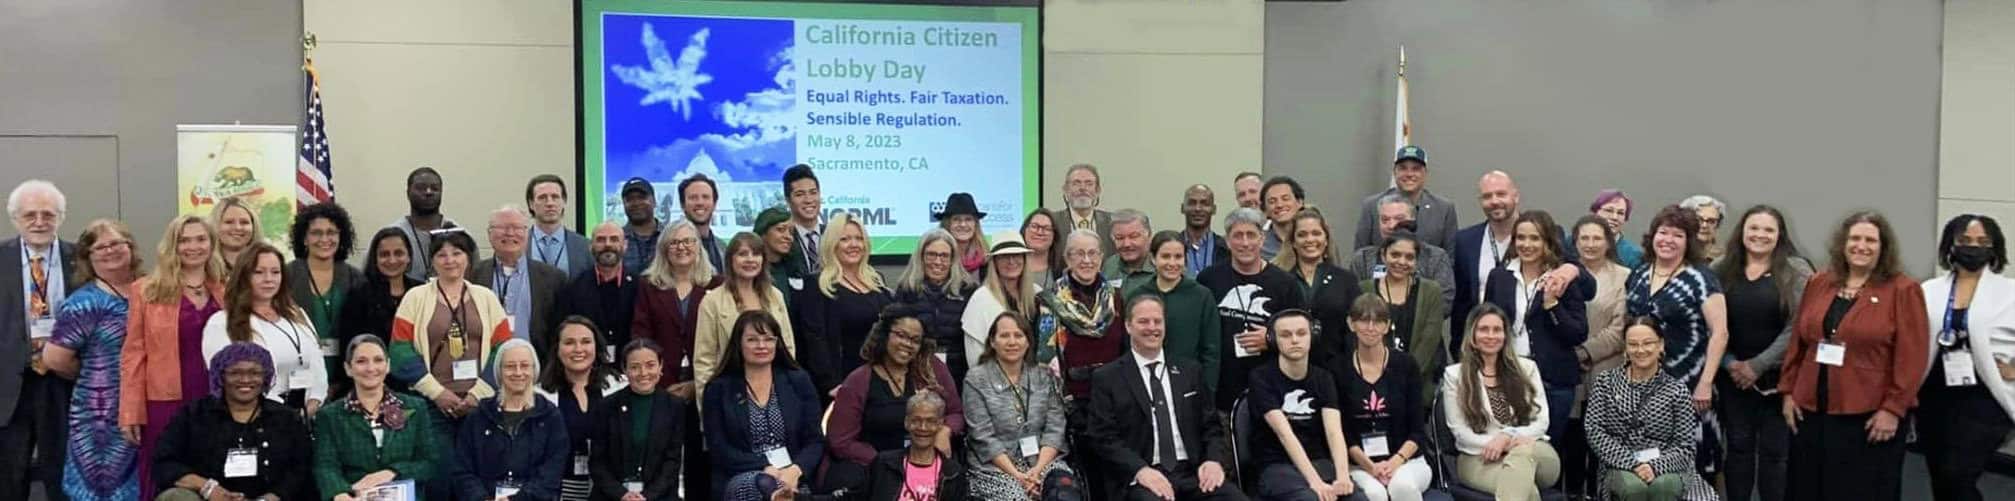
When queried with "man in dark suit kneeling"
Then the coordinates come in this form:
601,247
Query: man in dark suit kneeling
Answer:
1181,453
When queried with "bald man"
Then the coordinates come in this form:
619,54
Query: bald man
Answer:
1202,247
1480,248
526,286
604,294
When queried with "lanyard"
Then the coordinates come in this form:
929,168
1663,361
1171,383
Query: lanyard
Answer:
539,249
50,272
1950,336
1202,251
503,282
1496,255
293,336
1020,399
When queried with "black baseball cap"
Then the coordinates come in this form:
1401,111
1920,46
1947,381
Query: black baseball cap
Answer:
639,184
1411,152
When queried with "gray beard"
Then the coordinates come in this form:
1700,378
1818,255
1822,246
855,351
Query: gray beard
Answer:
1081,203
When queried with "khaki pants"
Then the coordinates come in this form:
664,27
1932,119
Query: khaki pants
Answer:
179,494
1516,477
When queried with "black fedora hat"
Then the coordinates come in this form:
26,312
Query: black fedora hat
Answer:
959,204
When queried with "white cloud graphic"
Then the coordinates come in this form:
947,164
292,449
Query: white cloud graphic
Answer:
675,82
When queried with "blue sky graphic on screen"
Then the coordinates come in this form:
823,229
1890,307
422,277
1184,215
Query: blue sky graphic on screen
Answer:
701,95
894,106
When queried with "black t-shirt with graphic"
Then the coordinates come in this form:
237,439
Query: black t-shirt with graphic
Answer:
1301,400
1244,300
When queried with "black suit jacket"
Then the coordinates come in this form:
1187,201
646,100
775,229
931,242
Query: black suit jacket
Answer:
610,307
1465,250
611,453
1555,332
14,348
546,281
1120,431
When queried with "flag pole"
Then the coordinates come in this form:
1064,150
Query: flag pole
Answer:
1402,123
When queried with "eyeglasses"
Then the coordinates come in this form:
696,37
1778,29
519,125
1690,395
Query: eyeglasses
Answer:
38,215
683,242
110,245
245,373
510,228
937,256
324,233
1084,254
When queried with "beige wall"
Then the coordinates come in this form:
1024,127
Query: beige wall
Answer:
1976,146
1159,95
483,91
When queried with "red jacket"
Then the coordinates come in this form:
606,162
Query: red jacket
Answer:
1888,344
659,317
843,426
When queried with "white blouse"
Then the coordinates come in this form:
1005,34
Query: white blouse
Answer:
1469,441
294,347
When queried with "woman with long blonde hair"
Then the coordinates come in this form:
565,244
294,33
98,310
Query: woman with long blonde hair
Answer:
237,228
669,298
832,319
161,364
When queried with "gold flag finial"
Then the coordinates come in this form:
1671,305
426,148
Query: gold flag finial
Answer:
1402,60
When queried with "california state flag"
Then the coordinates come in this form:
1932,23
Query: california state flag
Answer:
1402,126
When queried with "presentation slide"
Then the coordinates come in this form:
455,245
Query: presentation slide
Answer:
894,106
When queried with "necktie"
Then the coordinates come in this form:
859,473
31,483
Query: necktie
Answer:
1084,222
38,302
549,249
812,250
1164,419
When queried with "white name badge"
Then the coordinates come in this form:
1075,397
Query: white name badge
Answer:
1377,272
465,370
1029,446
1831,353
634,486
686,361
329,347
797,284
1645,456
1375,445
942,359
580,464
241,463
507,489
777,457
299,379
511,322
1959,369
609,354
42,329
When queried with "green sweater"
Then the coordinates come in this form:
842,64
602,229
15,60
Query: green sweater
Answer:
1192,323
346,452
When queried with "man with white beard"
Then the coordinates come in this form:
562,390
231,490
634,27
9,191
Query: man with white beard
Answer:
1081,196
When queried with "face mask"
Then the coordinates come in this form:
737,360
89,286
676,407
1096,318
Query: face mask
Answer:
1971,257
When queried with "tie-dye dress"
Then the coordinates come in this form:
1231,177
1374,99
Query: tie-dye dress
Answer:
99,462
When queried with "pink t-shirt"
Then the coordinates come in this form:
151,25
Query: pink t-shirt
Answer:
920,483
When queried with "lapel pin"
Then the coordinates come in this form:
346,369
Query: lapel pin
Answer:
1874,300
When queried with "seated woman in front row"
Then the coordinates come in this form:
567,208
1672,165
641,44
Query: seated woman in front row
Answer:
762,415
868,412
636,447
918,472
373,436
1015,415
234,444
1641,424
513,446
1385,418
1493,405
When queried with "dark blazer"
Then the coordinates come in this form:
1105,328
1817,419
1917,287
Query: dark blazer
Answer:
202,434
369,309
1120,434
1555,332
610,453
885,477
14,345
729,441
546,282
1335,289
580,260
484,454
1101,218
659,317
302,288
1464,249
1433,219
611,307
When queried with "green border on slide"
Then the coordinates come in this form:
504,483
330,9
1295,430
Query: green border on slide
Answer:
589,54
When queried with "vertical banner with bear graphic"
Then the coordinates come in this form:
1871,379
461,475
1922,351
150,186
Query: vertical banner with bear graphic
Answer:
893,106
252,162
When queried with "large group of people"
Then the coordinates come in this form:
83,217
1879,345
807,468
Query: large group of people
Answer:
1080,355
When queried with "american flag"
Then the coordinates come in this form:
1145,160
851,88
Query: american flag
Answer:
311,176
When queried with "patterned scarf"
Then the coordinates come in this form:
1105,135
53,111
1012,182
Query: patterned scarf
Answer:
391,413
1086,319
